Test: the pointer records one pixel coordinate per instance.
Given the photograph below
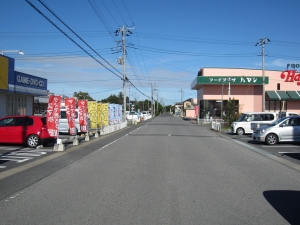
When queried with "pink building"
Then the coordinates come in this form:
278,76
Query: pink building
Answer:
216,85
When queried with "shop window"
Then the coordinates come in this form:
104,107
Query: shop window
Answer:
272,105
15,105
275,106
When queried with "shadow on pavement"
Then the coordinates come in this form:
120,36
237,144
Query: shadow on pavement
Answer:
286,203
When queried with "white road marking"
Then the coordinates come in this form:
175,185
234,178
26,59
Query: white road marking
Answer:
15,158
289,152
21,155
280,146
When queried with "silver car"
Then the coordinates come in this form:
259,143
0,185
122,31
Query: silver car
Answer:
284,129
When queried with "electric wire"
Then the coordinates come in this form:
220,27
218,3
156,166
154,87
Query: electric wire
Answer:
102,18
78,37
33,6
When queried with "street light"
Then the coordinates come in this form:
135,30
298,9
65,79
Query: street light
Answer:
18,51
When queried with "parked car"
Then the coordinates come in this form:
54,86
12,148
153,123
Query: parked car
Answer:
29,130
63,126
284,129
145,115
243,124
286,114
132,116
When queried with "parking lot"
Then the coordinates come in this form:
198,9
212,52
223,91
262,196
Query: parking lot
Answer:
288,150
12,156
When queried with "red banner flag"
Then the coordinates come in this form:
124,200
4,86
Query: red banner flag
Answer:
53,115
196,110
70,104
82,111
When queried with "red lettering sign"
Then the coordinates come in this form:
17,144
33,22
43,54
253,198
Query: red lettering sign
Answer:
53,115
82,111
290,76
70,104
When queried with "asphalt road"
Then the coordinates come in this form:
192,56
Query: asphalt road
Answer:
164,171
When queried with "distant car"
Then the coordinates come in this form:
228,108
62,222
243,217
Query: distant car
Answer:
132,116
284,129
145,115
29,130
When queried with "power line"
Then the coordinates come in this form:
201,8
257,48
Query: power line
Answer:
101,17
80,38
68,36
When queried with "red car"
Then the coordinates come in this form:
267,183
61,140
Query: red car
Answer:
29,130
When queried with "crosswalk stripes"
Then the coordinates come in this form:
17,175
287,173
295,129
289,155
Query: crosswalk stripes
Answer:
20,155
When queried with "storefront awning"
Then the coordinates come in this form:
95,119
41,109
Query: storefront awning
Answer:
272,95
278,95
294,95
283,95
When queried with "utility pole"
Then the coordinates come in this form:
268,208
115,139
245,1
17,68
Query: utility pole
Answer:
151,99
181,93
157,99
154,100
262,43
125,31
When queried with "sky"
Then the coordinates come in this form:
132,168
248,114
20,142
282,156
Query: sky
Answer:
75,47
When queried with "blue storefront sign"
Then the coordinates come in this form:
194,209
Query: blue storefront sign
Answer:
17,82
25,83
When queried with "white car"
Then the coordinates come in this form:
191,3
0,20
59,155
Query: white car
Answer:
146,115
132,116
63,126
243,124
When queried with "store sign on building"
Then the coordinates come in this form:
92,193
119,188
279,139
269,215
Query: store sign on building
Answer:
23,79
233,80
290,76
294,66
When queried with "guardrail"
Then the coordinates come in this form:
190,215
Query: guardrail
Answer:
216,126
60,144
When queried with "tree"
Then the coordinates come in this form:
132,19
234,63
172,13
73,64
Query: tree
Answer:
231,110
113,99
83,95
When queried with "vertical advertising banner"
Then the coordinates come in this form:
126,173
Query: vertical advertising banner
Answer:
92,112
110,114
120,113
53,115
83,117
70,104
99,115
196,107
104,114
116,114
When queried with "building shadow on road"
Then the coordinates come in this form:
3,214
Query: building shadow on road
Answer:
286,203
